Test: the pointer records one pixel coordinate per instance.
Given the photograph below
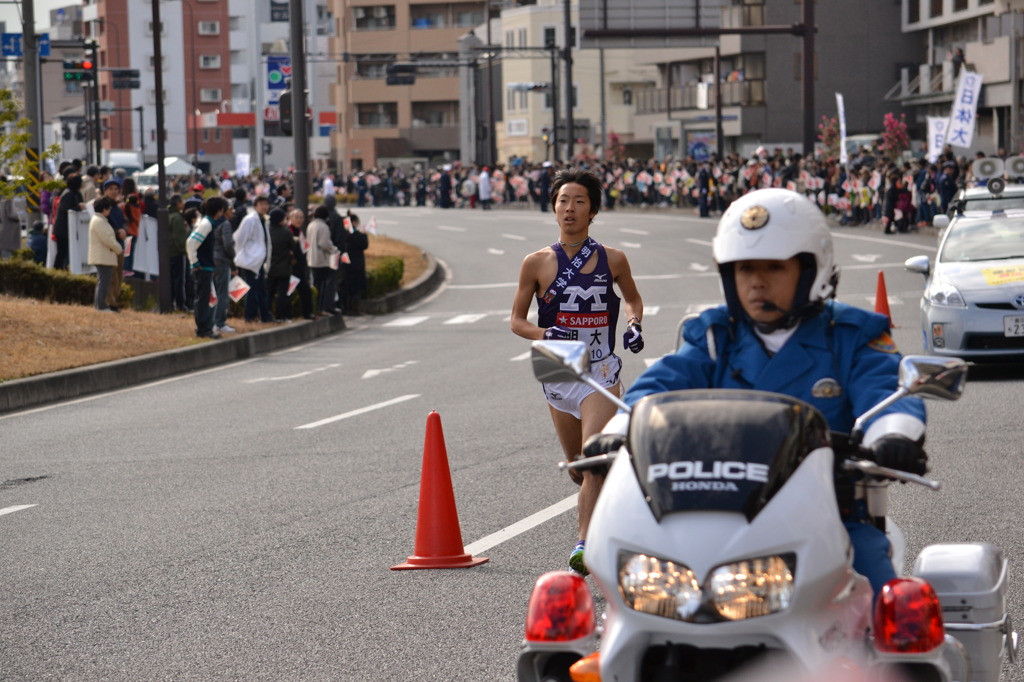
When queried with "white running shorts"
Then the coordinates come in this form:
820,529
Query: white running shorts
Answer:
568,396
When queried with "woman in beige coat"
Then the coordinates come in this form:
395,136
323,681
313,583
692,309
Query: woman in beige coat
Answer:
321,252
103,250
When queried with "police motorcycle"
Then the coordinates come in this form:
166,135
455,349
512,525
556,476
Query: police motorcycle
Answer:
718,548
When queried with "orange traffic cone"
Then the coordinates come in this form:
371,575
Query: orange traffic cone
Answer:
438,538
882,300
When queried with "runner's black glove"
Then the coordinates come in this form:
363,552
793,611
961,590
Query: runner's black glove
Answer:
633,338
558,334
899,452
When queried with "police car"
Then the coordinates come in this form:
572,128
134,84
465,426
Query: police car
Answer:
973,302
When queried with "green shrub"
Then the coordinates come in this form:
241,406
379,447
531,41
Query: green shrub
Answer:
26,279
384,277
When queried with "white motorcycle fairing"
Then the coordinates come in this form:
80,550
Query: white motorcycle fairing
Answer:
831,609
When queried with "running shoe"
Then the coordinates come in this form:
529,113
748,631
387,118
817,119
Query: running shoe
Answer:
576,559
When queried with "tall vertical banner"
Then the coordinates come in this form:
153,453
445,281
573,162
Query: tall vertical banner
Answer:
936,137
962,117
843,157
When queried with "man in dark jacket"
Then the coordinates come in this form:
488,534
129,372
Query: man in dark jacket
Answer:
179,234
280,274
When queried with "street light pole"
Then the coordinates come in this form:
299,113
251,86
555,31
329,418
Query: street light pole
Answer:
570,131
163,222
300,130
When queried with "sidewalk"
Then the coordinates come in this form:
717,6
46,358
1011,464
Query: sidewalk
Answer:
22,394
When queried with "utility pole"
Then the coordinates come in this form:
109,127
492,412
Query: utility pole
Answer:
570,130
33,108
300,128
163,223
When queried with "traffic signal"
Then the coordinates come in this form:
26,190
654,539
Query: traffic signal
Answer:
284,103
545,134
78,70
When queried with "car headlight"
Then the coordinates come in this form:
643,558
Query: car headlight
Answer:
734,591
944,294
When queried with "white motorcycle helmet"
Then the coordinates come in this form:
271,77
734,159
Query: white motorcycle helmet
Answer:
778,224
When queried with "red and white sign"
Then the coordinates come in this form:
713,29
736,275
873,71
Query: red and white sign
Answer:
272,113
237,288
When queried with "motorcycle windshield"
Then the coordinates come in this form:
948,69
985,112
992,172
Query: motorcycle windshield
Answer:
720,450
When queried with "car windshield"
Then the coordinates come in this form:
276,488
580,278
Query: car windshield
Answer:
995,238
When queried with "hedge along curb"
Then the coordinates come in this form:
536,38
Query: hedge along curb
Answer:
424,285
21,394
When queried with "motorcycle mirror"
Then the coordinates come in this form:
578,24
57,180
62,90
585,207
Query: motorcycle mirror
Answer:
557,361
933,377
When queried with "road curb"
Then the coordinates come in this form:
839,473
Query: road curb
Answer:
21,394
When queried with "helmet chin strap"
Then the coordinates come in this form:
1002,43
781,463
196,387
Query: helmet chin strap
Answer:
789,318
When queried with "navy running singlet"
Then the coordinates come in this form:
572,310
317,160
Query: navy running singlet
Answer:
588,306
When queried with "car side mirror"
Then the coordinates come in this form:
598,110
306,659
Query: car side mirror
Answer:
921,264
940,222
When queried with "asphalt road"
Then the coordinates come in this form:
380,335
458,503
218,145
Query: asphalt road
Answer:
240,522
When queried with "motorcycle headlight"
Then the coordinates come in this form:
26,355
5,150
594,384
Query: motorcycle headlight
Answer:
748,589
944,294
659,587
735,591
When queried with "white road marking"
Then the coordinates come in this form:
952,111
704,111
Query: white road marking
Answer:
291,376
450,228
650,361
466,319
517,237
408,321
11,510
651,310
882,240
629,230
631,245
371,373
520,527
866,257
361,410
495,252
521,357
699,241
496,285
699,267
893,300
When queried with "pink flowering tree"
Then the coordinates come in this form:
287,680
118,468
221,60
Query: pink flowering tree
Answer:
895,139
828,135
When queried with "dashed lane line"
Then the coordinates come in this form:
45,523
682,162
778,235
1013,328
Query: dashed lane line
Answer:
520,527
19,507
361,410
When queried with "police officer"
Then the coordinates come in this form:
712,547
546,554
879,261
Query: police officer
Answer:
780,330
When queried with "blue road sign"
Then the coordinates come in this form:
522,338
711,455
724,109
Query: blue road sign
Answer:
10,44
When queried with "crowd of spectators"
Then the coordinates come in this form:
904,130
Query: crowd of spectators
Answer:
901,195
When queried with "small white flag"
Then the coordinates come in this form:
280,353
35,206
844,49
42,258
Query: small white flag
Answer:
237,288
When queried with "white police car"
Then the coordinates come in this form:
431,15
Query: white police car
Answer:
973,302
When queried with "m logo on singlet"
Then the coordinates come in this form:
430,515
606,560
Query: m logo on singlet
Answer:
595,294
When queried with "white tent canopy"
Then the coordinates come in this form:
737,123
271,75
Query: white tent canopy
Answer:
173,165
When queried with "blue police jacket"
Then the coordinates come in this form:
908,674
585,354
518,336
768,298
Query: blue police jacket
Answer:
842,361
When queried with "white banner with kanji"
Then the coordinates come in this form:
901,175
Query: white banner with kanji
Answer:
960,130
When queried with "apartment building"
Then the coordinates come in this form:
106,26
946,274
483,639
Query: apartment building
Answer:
377,122
859,49
982,36
602,86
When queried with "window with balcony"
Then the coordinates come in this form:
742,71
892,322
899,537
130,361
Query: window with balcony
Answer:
522,37
209,61
377,115
210,95
209,28
469,17
935,9
435,114
372,65
510,99
374,18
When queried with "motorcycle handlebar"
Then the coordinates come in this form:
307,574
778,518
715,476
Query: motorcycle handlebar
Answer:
588,462
870,468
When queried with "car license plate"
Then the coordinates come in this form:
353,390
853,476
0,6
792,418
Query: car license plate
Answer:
1013,325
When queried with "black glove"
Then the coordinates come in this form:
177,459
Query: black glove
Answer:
899,452
632,338
559,334
603,443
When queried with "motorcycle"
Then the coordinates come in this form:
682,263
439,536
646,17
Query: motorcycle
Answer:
718,548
